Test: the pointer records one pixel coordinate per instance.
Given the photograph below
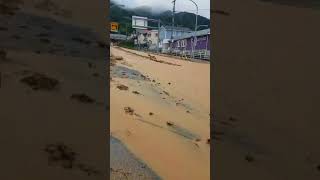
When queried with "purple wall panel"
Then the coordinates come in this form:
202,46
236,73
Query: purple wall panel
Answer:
203,42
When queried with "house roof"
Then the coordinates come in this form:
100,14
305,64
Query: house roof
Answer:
191,34
146,30
176,28
118,36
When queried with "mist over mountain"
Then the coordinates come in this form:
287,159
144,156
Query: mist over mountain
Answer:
143,10
123,17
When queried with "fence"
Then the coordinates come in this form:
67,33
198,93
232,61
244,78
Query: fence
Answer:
198,54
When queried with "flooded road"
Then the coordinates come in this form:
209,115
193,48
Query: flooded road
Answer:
159,109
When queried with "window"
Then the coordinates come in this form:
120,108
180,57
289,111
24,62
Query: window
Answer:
168,35
183,43
178,43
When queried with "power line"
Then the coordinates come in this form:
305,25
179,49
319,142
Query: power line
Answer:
183,11
198,9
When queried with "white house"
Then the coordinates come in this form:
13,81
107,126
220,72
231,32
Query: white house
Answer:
148,39
165,35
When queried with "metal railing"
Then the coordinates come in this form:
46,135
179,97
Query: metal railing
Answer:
196,54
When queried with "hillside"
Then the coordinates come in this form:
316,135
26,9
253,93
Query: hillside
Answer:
123,16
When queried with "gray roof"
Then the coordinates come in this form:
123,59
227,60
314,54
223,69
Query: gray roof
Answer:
191,34
118,36
177,28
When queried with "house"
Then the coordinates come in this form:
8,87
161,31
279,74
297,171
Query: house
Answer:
197,43
165,35
147,39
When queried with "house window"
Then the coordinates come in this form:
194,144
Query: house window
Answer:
183,42
178,43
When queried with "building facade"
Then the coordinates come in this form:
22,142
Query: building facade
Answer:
193,43
147,39
165,36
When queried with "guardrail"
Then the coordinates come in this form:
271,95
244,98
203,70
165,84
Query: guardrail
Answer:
198,54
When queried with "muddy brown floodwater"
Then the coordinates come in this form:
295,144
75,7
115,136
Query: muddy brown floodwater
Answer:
175,91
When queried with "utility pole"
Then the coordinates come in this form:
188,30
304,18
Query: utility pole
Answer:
158,48
173,13
195,30
126,31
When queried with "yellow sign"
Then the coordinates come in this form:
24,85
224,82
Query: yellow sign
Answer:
114,27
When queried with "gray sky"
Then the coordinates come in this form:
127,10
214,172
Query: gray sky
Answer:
181,5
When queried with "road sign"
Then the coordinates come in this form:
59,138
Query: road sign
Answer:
114,27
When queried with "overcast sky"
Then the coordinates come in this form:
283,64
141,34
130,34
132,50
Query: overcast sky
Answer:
181,5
